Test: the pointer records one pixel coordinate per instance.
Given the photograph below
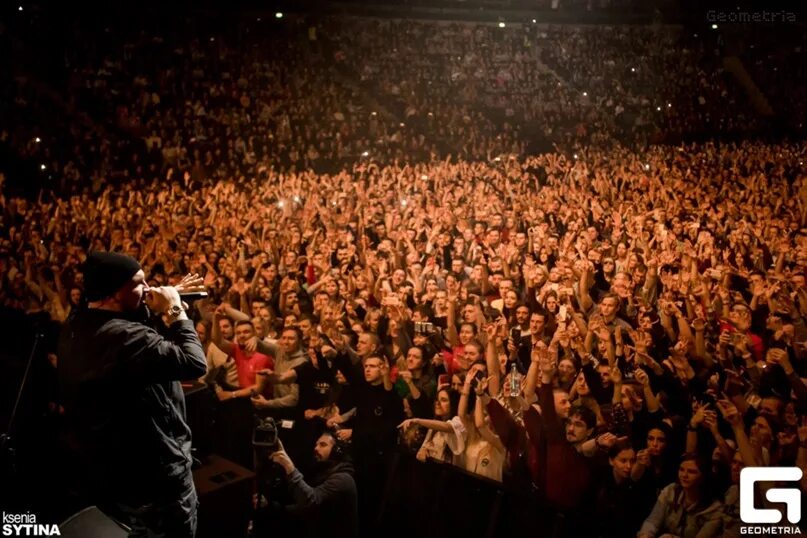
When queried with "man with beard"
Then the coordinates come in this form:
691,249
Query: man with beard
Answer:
124,406
327,504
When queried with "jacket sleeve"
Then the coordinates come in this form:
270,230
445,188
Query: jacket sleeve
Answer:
655,520
287,401
508,430
292,398
146,355
552,427
307,497
712,527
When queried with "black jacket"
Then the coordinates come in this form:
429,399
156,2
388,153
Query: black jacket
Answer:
329,506
124,406
378,412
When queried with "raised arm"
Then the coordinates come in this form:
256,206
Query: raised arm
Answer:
451,322
492,359
436,425
733,417
484,430
221,342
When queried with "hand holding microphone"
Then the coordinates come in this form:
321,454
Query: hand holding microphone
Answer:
162,299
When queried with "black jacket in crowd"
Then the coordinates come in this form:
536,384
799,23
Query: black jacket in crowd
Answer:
124,406
378,412
328,506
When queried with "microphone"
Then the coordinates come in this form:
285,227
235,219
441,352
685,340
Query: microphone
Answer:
189,297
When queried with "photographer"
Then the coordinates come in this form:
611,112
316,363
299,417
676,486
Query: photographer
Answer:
327,502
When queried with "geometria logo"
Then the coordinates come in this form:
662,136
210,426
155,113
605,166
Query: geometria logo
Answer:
768,520
26,525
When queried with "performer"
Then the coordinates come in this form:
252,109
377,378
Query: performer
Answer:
124,406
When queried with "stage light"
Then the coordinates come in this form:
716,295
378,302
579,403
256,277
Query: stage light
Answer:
585,94
669,105
647,166
19,8
575,156
534,21
37,140
365,153
278,15
501,25
658,108
402,124
714,27
374,113
632,69
41,166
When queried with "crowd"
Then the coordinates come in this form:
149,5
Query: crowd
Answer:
659,81
610,332
131,104
514,318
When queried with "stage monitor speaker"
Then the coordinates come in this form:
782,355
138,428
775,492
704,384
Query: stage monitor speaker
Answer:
225,498
91,523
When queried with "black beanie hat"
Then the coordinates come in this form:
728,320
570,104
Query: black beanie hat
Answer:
106,272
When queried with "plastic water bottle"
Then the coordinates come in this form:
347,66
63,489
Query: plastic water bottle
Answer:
515,386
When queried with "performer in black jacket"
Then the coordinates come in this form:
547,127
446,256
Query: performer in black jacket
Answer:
124,406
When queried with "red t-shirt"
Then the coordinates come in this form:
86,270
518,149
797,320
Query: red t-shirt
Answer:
451,360
249,365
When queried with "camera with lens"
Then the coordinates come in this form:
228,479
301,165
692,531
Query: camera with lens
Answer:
425,328
264,435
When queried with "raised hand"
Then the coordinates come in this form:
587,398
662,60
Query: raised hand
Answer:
642,377
482,386
251,345
643,458
780,357
616,375
699,415
548,364
802,431
730,413
608,439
